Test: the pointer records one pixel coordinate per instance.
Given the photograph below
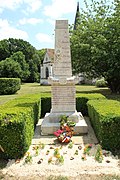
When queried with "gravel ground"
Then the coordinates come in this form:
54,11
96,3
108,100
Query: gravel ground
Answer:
73,166
69,165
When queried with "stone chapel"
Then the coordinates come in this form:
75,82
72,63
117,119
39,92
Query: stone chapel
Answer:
47,66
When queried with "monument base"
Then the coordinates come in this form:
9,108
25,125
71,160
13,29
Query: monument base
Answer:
51,123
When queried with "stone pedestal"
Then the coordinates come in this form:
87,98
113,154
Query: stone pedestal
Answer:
62,86
51,123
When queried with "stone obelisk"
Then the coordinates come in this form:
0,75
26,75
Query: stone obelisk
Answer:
62,85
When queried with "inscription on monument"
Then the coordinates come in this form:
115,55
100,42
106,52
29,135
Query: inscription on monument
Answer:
61,102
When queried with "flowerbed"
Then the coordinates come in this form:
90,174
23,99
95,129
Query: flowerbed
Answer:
57,154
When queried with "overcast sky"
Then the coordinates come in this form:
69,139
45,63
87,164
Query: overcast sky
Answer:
34,20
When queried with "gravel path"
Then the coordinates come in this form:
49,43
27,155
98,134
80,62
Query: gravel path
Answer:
73,166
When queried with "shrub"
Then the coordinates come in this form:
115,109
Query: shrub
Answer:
45,104
9,85
18,118
101,83
105,119
81,101
16,132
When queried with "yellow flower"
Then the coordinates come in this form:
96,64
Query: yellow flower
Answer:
57,156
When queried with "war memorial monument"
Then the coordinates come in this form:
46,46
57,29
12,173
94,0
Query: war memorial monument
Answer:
63,100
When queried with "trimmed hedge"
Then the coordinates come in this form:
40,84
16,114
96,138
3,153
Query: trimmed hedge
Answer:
105,119
9,85
18,118
82,99
45,103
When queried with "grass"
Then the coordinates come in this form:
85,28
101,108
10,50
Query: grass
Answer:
35,88
112,177
91,89
87,177
26,88
81,177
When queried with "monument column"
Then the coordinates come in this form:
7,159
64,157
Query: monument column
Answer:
62,85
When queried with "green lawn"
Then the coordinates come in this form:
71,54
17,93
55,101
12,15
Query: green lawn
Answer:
35,88
26,88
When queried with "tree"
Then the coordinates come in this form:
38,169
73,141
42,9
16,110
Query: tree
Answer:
41,54
24,53
10,68
20,58
34,75
4,49
95,43
113,49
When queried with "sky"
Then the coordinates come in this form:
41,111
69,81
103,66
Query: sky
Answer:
34,20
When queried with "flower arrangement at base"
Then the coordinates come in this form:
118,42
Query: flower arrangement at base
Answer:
66,130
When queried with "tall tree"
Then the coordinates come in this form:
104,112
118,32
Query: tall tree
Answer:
10,69
4,49
8,48
20,58
41,54
77,17
95,43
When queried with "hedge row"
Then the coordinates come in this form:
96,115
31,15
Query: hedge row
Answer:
9,85
82,99
81,102
105,119
18,118
45,103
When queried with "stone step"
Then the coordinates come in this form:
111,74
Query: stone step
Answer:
83,138
48,128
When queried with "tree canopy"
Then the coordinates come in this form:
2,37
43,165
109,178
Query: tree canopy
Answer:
23,55
95,44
